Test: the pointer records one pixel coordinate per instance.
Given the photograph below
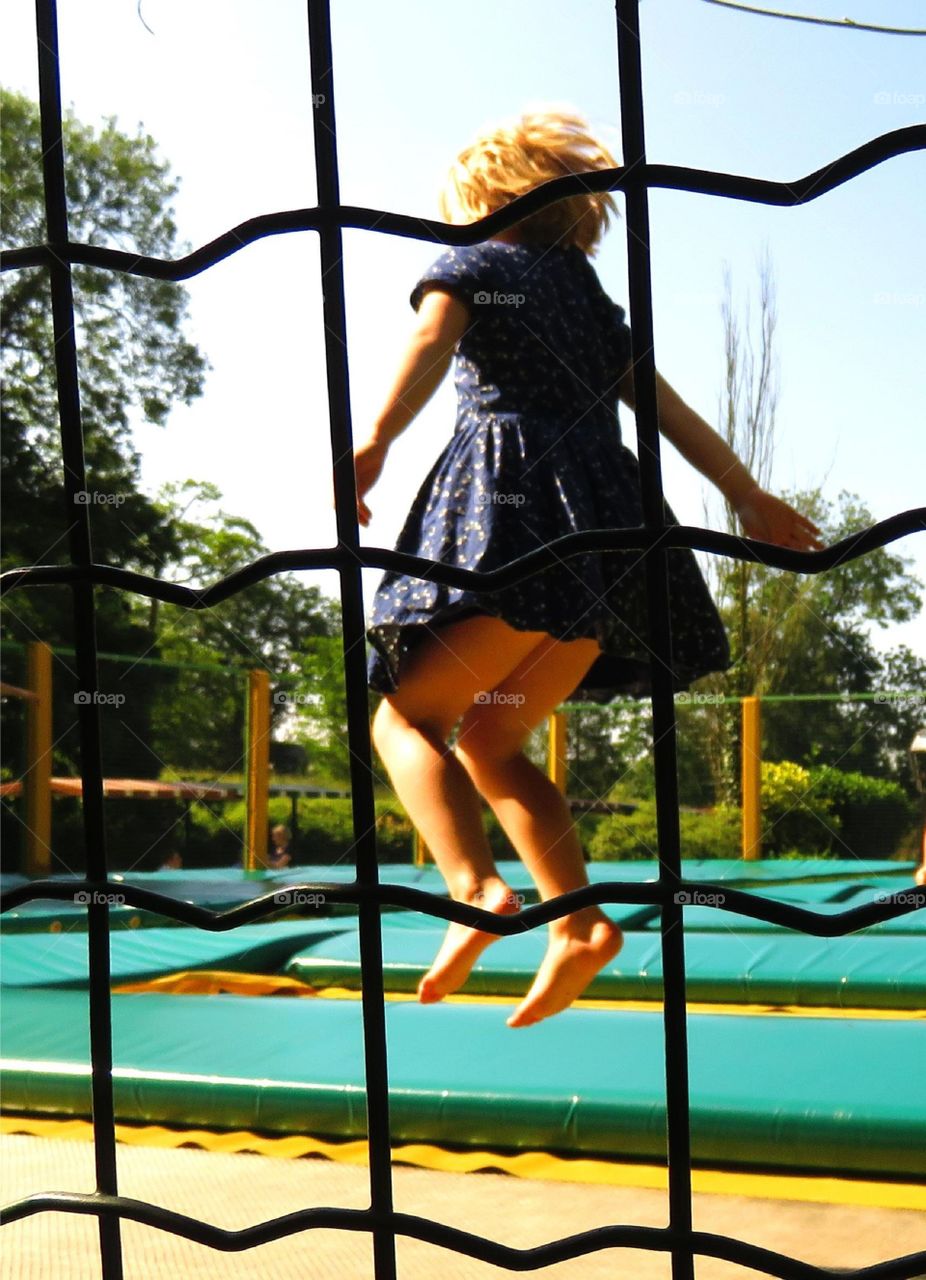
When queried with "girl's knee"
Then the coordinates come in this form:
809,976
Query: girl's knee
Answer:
490,735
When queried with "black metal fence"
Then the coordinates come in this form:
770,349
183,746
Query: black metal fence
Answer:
57,255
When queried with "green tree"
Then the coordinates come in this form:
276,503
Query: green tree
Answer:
792,633
134,361
811,634
277,624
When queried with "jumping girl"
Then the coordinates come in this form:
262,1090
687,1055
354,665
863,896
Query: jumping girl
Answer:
542,357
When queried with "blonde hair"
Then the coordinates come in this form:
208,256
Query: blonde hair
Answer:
511,159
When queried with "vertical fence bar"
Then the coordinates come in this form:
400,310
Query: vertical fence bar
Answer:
77,521
665,763
751,778
37,782
353,633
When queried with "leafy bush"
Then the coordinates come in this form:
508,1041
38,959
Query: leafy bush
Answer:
629,837
633,837
717,833
325,830
795,814
874,814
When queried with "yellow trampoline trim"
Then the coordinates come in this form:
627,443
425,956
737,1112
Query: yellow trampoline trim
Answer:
538,1165
210,982
214,981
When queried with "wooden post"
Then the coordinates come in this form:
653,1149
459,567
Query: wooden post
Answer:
556,767
752,778
258,770
37,781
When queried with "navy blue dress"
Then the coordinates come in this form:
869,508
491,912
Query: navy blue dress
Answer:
536,453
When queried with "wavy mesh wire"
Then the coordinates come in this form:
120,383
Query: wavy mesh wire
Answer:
57,255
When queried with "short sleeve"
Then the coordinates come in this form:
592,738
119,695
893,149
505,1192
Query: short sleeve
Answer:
469,273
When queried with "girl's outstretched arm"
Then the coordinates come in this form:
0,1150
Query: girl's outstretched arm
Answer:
762,515
442,321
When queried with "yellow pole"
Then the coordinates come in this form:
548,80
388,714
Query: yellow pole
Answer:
420,853
752,779
37,782
258,770
557,753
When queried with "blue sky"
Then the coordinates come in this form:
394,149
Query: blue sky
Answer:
222,85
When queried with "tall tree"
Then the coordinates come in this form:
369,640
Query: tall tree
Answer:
133,356
792,633
135,363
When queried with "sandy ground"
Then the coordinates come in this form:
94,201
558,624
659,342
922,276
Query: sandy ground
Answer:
237,1190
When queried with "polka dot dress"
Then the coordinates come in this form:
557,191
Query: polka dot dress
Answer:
536,453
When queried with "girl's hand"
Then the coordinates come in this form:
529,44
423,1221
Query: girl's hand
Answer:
368,464
770,519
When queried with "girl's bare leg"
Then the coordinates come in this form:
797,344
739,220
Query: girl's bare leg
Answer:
440,682
536,817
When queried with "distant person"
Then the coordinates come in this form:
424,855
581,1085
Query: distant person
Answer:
543,355
173,862
280,854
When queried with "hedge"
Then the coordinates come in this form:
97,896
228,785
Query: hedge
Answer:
633,837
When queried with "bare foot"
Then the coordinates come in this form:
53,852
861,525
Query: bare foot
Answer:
462,946
568,967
